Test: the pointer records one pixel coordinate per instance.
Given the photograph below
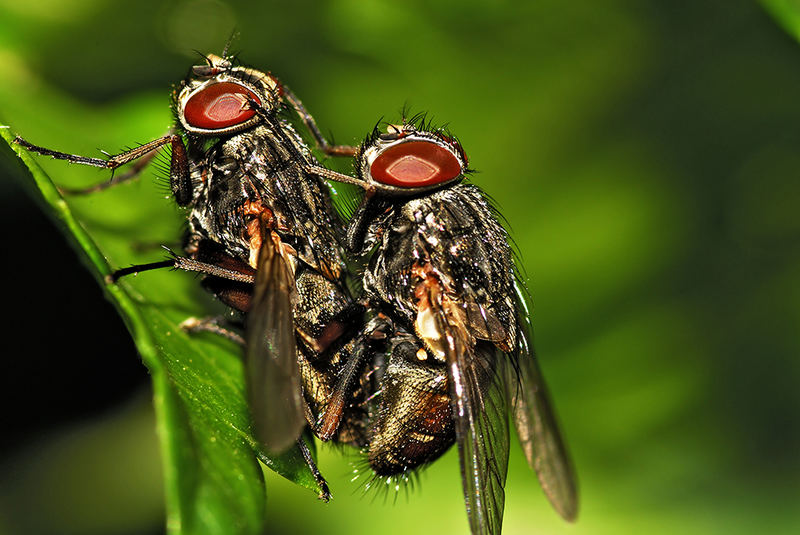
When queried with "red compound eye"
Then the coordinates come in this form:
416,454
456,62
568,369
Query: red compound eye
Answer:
415,164
220,106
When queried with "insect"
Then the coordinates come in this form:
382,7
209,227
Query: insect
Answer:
440,268
263,233
445,354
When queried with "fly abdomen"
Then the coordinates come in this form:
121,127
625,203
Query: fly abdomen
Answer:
413,423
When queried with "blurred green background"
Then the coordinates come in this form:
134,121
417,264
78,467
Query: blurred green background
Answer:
646,156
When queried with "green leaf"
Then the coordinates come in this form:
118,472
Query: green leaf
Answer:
787,13
214,482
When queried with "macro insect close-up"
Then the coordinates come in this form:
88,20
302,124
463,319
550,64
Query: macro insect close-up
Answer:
447,350
243,308
443,274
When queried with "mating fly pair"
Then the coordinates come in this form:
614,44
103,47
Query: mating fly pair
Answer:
437,348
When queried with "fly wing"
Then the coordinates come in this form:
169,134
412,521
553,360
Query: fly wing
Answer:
541,439
272,372
478,401
538,429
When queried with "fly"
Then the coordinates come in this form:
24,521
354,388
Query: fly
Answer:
440,268
263,232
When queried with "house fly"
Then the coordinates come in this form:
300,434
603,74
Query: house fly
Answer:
440,268
263,232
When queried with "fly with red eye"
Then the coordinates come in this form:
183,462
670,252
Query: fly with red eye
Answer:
263,233
439,268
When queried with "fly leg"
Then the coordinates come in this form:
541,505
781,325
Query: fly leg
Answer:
112,162
324,492
375,332
211,325
186,264
329,174
133,172
311,125
142,155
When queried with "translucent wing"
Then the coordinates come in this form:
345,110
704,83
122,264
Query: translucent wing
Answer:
538,430
271,369
478,400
